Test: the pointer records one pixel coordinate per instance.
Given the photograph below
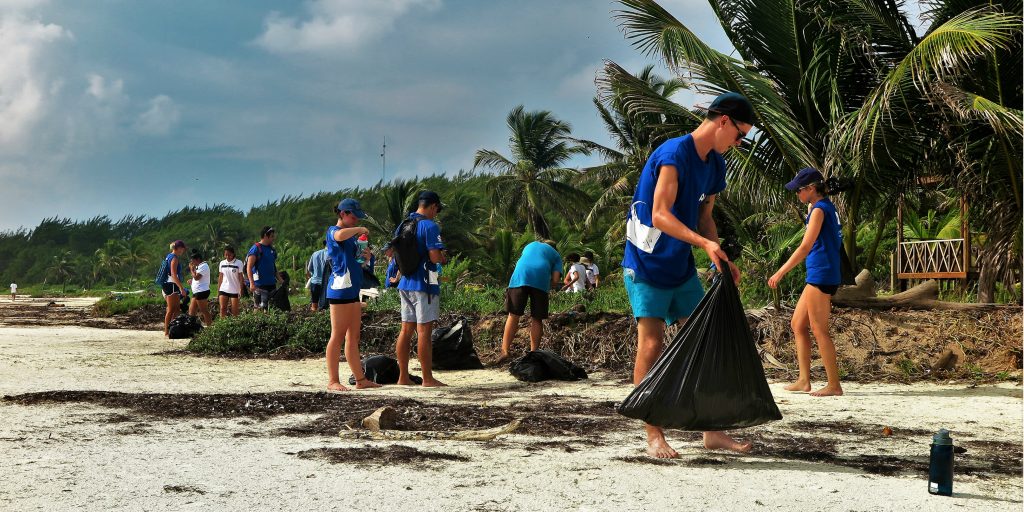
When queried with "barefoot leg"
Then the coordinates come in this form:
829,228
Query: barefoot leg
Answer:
656,445
650,336
402,348
720,441
536,331
511,326
801,325
819,308
352,314
334,347
425,352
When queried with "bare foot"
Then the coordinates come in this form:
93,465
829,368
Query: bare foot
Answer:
501,360
720,441
365,383
405,382
799,386
335,387
829,390
433,383
658,448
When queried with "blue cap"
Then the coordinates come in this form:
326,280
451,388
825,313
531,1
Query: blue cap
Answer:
805,177
351,205
734,105
429,197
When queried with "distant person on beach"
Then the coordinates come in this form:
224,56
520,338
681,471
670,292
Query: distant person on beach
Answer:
391,274
671,214
537,270
315,275
230,283
575,275
14,292
823,239
200,271
170,282
343,294
261,268
593,271
420,292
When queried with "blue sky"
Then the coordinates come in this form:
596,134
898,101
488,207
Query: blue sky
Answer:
114,107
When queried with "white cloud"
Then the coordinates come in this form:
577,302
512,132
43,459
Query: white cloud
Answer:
161,117
336,25
27,79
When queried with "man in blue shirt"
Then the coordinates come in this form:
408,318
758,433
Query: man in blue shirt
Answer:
420,292
315,275
670,214
538,268
261,268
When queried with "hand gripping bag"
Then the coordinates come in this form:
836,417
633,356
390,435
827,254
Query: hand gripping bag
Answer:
710,377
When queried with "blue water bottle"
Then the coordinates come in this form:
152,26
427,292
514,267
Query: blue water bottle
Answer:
940,467
361,243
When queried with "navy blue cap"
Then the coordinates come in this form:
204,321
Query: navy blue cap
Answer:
430,197
805,177
351,205
734,105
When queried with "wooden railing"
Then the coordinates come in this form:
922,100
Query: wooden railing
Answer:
932,259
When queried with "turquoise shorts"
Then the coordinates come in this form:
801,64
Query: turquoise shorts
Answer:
670,304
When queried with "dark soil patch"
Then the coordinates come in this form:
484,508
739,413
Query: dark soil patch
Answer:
706,461
645,459
380,456
184,489
551,445
858,429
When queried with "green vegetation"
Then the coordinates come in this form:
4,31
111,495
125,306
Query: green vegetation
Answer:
251,332
118,304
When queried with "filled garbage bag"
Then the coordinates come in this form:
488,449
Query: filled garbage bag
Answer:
279,297
710,377
540,365
453,348
382,370
184,326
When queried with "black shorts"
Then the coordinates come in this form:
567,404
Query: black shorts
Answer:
516,298
830,289
170,289
315,290
202,295
343,301
228,295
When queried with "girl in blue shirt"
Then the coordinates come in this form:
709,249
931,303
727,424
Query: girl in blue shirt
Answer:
821,245
342,291
171,286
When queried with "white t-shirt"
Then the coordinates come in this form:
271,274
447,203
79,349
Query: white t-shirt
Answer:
203,284
14,288
232,272
581,282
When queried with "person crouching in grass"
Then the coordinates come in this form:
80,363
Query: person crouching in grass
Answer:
171,283
538,268
200,288
343,294
821,245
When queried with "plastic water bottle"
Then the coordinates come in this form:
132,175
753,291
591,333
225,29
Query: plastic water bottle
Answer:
940,467
361,243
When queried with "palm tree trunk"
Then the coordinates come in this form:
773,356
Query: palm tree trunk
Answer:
884,217
850,237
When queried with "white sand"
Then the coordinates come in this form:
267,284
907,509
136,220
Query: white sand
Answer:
59,456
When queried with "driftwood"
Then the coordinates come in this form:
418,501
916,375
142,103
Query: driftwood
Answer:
923,296
381,419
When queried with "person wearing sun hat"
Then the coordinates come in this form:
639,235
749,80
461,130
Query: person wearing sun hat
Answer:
670,214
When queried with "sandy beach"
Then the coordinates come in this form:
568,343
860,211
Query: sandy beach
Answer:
178,432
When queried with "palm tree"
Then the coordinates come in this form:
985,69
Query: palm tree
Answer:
62,268
533,181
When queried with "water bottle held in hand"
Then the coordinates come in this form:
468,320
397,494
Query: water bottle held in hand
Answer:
361,243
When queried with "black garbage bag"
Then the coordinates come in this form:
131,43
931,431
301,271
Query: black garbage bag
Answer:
453,347
710,377
279,297
184,326
370,280
382,370
540,365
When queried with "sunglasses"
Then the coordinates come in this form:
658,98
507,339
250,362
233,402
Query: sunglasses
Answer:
740,134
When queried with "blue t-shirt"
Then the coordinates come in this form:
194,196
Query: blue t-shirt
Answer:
670,264
265,273
167,261
428,238
346,273
535,266
316,265
823,260
390,272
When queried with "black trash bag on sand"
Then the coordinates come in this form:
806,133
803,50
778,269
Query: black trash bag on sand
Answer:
279,297
710,377
453,348
184,326
382,370
540,365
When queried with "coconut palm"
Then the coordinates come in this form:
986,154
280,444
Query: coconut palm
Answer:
62,268
533,181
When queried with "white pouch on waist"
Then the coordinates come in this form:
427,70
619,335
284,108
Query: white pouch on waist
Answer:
255,276
341,282
642,236
432,276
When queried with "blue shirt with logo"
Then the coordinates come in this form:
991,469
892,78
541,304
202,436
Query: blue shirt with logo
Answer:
671,264
535,266
266,264
428,238
346,273
823,260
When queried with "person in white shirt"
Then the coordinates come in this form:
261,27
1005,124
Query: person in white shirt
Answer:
576,277
200,288
14,291
592,269
229,283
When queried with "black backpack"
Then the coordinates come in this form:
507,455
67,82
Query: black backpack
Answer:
453,348
382,370
184,326
406,247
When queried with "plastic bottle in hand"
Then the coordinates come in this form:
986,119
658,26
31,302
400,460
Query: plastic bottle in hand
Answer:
361,243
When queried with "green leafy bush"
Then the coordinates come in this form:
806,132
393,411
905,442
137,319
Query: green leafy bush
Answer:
118,304
252,332
312,332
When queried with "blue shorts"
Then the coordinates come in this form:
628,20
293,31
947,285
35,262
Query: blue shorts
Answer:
670,304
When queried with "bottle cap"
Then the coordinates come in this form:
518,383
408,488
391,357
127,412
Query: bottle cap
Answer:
941,438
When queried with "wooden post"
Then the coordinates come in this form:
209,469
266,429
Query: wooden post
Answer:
965,232
899,242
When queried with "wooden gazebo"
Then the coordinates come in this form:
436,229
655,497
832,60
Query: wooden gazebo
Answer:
933,259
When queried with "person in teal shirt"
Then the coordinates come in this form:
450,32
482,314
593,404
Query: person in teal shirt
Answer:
538,268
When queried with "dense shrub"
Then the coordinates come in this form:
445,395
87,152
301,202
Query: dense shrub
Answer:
252,332
117,304
312,332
